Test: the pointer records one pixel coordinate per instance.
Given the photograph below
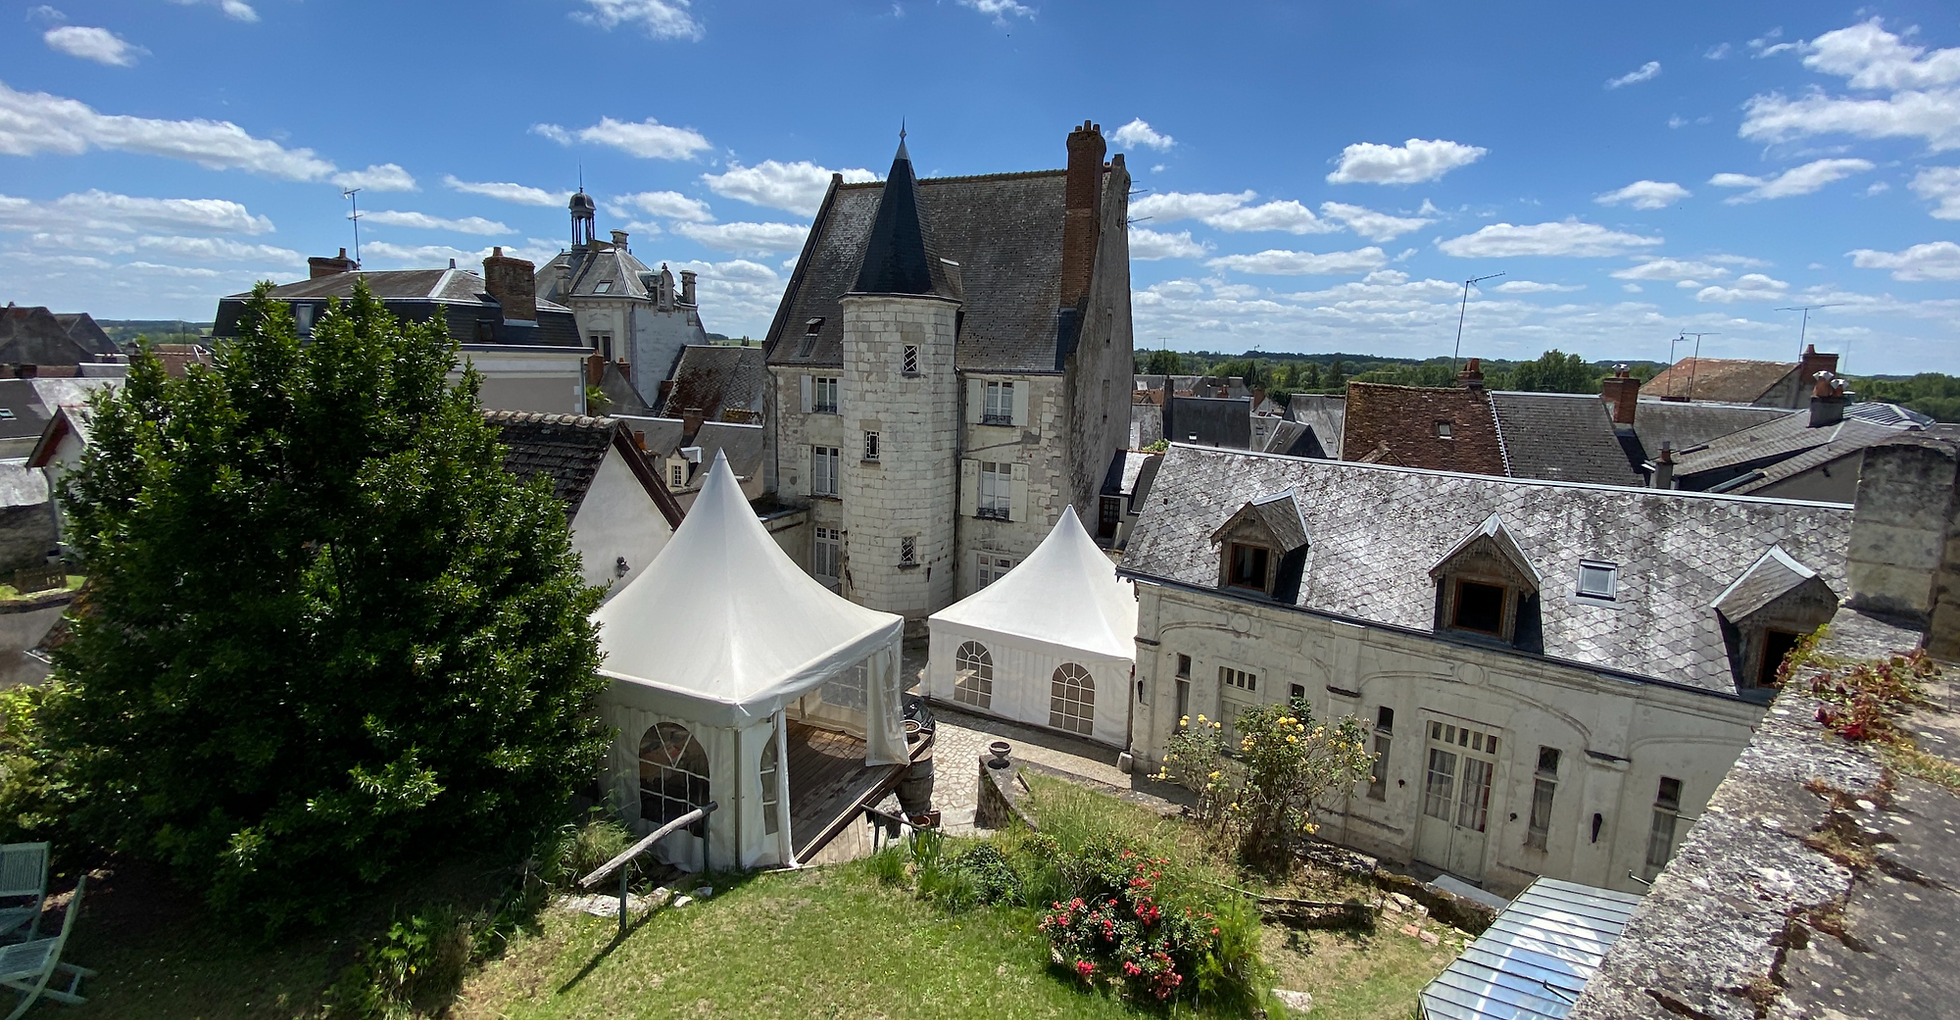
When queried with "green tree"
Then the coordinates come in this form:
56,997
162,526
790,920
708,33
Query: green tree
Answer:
1310,378
1555,372
1166,362
326,637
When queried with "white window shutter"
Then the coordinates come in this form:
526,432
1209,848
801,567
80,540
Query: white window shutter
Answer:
969,488
1017,502
976,400
807,400
1021,402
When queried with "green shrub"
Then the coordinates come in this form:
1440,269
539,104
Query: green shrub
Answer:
888,865
993,877
585,847
415,966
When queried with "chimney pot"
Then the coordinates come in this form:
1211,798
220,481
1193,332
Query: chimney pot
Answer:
1664,466
332,265
687,286
1472,376
1622,392
1827,400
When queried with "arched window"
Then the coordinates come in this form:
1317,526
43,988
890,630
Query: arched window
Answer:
770,823
1072,699
973,681
673,774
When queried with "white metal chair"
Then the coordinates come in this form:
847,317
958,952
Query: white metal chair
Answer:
26,967
23,874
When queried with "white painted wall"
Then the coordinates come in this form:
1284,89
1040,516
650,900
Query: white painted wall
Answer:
1616,737
551,381
618,518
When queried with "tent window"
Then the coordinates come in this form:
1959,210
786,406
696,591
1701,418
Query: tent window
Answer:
973,681
673,774
770,802
1072,699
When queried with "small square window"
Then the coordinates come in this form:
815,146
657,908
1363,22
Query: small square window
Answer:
1248,567
911,360
1548,761
1444,430
1669,796
813,327
1598,580
871,446
1184,666
908,551
603,287
1385,719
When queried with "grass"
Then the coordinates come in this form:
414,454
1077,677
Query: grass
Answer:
9,593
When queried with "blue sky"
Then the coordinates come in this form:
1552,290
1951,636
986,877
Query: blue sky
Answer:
1310,177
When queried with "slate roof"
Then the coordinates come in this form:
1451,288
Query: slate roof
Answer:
1387,424
1377,530
36,336
1788,445
1004,230
1684,424
1209,421
601,262
1729,380
710,381
1768,579
1280,513
662,435
741,443
1294,439
34,401
1326,413
569,448
456,297
1562,437
899,255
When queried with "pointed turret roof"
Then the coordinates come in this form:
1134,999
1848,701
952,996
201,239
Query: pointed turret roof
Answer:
900,257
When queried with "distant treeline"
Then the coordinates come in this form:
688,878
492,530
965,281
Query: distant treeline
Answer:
126,332
1282,375
1928,393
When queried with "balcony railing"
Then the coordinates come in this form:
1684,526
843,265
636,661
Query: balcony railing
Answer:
991,513
996,419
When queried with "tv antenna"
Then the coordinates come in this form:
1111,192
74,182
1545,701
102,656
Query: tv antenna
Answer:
1691,368
350,195
1804,330
1465,307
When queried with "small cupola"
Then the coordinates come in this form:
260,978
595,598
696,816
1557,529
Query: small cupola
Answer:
1263,547
1485,584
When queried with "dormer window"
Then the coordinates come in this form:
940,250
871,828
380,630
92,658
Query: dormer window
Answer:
1486,586
1479,606
1249,566
1598,580
1262,547
1765,612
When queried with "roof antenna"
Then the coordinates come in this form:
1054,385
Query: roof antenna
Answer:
1804,329
1454,367
1693,366
349,194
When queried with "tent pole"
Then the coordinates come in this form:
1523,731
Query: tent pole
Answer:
782,787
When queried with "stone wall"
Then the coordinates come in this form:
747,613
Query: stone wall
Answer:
1903,544
1035,446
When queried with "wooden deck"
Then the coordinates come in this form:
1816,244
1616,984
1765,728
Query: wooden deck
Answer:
829,784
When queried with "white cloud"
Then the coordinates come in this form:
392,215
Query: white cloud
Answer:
1932,115
748,238
1748,287
1796,181
1631,288
1938,260
1139,134
431,255
236,10
1375,226
424,221
1646,195
662,19
126,214
378,177
1276,262
503,191
97,44
1534,287
1413,162
221,250
1869,57
793,187
1151,245
1645,72
1739,260
670,204
1940,184
999,9
647,139
1289,216
1717,51
1568,238
1178,205
1668,269
34,122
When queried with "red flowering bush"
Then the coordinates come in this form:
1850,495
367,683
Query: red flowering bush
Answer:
1118,934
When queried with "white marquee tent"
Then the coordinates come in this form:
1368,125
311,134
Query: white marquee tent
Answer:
712,651
1052,643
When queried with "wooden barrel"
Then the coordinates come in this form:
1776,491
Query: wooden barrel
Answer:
915,790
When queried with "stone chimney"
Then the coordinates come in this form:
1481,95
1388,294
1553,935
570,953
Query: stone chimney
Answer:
1827,400
619,239
1664,467
1082,226
513,283
332,265
1472,376
687,286
1902,562
1621,391
1812,363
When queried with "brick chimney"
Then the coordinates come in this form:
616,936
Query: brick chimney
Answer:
332,265
687,286
1472,376
1081,226
1827,399
1621,391
1664,467
513,282
1813,363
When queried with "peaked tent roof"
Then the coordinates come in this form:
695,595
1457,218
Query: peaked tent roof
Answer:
1065,593
722,627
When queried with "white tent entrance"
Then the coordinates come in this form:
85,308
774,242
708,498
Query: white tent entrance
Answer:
737,678
1052,643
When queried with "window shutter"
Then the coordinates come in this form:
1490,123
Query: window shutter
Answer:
808,402
969,488
976,400
1017,502
1021,401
